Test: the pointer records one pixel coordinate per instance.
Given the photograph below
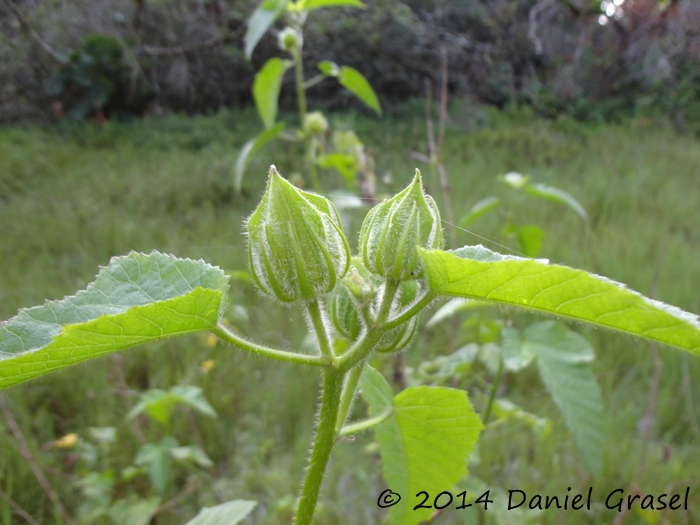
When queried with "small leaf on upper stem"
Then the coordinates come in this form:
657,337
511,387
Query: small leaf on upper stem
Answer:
266,89
354,81
260,21
555,194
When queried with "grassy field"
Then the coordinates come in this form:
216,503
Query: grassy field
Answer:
72,197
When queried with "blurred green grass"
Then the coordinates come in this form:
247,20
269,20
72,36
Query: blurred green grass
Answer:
73,196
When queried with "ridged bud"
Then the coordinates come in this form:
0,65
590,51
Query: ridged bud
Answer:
393,230
296,246
358,289
288,39
315,123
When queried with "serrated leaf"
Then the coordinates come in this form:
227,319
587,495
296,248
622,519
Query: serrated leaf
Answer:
136,299
530,240
249,149
555,194
476,272
563,359
266,89
424,444
480,208
229,513
260,21
308,5
355,82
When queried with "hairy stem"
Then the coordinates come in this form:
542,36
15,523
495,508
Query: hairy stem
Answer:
322,335
323,444
366,424
413,310
348,395
227,335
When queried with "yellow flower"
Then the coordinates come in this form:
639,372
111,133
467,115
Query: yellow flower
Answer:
67,441
207,365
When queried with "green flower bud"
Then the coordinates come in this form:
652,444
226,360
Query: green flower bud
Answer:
296,246
399,338
288,39
315,123
358,289
393,230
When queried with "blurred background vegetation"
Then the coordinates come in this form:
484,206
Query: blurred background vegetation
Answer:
595,60
122,121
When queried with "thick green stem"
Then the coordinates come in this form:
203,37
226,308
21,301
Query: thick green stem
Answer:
322,335
346,399
323,444
227,335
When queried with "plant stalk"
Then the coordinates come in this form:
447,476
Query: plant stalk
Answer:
323,445
324,340
366,424
494,390
301,102
348,395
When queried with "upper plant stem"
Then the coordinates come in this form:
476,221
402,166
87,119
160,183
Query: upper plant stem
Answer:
324,340
323,444
301,102
411,311
227,335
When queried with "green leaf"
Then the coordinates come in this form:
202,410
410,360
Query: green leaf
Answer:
424,444
249,149
134,510
193,454
228,513
160,404
136,299
260,21
156,458
266,89
354,81
563,359
504,409
480,208
515,355
555,194
476,272
530,240
308,5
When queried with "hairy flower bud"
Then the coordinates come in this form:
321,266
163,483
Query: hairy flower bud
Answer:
315,123
358,289
394,229
296,246
399,338
288,39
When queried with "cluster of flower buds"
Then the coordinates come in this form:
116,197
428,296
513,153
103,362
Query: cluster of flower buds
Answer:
297,251
359,290
296,246
394,229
